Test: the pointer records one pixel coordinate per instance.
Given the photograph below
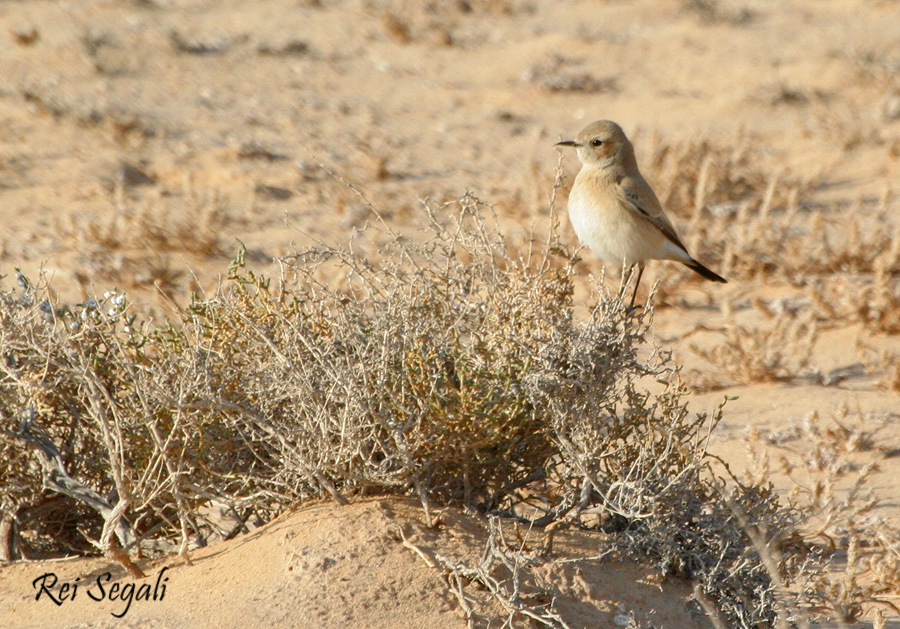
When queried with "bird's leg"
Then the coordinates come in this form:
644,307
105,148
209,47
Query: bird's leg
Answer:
637,282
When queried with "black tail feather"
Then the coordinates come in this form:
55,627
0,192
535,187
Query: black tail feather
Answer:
695,266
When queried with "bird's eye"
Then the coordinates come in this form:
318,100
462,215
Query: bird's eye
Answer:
596,142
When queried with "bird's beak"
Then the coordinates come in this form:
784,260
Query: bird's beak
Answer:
567,143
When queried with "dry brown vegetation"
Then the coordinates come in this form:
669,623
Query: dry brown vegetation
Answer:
453,369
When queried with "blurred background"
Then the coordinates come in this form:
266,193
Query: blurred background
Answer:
139,138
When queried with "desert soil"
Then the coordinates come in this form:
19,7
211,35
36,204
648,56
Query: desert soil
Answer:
115,115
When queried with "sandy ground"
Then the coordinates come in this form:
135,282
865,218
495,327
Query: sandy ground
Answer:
115,115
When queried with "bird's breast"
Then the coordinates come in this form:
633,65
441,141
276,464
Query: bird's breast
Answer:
613,232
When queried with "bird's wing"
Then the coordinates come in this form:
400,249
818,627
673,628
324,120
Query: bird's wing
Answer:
639,198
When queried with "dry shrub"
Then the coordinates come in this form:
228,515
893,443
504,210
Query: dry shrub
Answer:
453,369
506,577
72,400
424,371
665,506
435,368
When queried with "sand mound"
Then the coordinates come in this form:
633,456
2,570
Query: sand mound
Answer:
332,566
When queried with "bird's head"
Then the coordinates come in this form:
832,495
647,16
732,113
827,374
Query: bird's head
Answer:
601,144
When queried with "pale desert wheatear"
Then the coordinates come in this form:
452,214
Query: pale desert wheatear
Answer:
615,212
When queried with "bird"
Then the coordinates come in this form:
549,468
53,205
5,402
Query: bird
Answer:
614,210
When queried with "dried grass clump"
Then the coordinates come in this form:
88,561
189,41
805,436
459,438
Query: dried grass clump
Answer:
802,246
858,550
890,369
712,12
754,222
825,444
554,74
778,351
848,240
439,23
737,211
694,176
191,225
133,246
874,303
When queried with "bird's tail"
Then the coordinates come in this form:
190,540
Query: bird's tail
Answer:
695,266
